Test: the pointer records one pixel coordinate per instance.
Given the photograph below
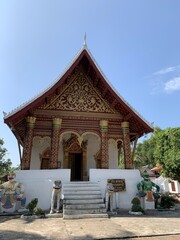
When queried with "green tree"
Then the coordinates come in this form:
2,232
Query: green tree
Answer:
167,152
162,148
145,151
5,164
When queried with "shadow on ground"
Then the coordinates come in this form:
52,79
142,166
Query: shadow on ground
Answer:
8,218
149,213
13,235
9,235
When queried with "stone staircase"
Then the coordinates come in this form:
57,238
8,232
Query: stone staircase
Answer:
82,200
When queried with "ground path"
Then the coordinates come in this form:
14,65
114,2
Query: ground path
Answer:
161,225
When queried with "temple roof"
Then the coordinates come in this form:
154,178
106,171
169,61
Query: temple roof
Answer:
99,80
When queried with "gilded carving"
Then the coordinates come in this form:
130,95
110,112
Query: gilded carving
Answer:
79,95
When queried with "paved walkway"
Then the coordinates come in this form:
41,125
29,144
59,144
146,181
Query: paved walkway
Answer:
121,226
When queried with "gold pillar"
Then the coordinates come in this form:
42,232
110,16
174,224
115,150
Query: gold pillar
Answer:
126,145
26,159
56,126
104,144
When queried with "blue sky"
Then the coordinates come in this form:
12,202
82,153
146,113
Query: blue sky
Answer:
135,43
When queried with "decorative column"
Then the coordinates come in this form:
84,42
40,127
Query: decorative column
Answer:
26,159
104,144
127,148
84,158
56,126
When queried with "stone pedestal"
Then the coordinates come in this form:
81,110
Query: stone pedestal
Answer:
149,205
11,209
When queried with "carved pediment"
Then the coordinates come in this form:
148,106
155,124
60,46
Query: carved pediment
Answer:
72,145
79,95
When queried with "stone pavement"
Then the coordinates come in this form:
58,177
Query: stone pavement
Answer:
153,225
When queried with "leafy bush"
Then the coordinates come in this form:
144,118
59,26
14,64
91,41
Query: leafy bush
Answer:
136,205
167,201
38,211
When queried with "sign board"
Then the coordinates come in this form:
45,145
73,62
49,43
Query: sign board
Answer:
118,184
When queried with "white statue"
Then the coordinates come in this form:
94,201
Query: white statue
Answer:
109,196
56,195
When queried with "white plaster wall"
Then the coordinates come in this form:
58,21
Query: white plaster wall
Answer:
92,148
39,146
163,183
166,186
132,178
113,154
178,186
39,183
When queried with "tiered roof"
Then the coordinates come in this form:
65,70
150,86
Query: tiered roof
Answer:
84,58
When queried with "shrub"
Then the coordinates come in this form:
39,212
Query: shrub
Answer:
167,201
38,211
136,205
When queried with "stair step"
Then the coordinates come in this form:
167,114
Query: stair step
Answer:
83,188
84,206
80,183
83,216
77,192
83,211
97,196
83,201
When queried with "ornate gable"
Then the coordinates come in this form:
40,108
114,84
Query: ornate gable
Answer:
82,88
78,94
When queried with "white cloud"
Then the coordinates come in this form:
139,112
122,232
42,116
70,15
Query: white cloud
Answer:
167,70
166,80
172,85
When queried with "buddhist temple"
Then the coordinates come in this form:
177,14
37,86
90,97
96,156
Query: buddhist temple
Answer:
80,122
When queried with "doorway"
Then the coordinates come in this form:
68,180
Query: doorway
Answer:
75,160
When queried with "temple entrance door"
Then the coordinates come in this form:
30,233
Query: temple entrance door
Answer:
76,166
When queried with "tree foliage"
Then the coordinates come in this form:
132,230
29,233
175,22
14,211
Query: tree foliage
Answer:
167,152
5,164
163,149
145,154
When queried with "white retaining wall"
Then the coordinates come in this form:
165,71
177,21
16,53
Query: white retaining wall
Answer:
132,178
39,184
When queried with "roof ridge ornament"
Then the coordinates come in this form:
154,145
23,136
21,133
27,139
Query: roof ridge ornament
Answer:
84,43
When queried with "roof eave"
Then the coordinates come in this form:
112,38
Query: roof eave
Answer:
27,105
84,50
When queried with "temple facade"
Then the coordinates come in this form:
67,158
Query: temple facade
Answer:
79,123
